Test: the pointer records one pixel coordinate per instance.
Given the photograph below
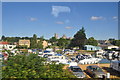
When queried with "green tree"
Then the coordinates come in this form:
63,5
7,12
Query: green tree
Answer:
34,41
42,38
92,41
117,42
53,40
39,44
63,43
3,38
33,66
112,41
79,39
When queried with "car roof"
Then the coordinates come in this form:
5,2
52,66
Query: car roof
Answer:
94,66
75,66
116,61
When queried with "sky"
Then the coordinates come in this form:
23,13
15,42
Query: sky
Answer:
21,19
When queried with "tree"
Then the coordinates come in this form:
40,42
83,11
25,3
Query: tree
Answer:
42,38
112,41
91,41
53,40
34,41
39,45
3,38
63,43
117,42
33,66
79,39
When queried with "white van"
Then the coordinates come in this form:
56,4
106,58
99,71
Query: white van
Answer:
115,65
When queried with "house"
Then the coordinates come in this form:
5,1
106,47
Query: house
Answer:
104,44
44,43
113,47
24,42
6,45
90,47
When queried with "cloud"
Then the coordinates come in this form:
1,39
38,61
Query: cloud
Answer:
59,9
68,27
33,19
115,17
96,18
59,22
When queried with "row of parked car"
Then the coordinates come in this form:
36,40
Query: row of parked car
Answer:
93,70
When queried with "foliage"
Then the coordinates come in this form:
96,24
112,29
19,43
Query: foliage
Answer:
53,40
21,47
33,43
91,41
32,66
79,39
114,42
117,42
39,45
63,43
59,51
3,37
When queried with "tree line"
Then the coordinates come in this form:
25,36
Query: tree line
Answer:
79,40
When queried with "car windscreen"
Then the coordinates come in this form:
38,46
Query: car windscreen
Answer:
76,70
97,69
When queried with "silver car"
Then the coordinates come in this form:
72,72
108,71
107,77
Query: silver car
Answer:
77,71
95,71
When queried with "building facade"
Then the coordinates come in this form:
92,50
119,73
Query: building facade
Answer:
24,43
6,45
92,48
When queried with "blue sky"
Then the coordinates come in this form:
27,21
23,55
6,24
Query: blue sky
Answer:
100,19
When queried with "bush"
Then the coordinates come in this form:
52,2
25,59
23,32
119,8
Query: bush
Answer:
32,66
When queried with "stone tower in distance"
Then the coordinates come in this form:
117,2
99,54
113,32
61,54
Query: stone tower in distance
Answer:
56,35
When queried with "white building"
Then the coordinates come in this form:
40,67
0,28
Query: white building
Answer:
5,45
113,47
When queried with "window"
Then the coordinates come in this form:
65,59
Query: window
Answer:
10,46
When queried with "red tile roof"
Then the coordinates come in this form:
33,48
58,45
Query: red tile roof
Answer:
4,43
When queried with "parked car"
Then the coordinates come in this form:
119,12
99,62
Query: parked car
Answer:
115,65
95,71
77,71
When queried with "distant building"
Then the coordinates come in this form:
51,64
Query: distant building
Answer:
56,35
90,47
6,45
64,36
70,38
104,44
24,42
113,47
45,44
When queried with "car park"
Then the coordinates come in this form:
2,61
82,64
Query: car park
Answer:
95,71
77,71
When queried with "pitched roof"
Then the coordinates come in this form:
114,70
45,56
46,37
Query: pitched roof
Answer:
4,43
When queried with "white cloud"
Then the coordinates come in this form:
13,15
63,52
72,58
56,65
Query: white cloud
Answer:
115,17
59,9
68,27
96,18
59,22
33,19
